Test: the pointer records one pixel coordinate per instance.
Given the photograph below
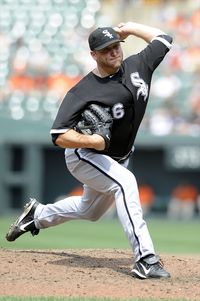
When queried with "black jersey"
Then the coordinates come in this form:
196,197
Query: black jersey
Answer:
126,93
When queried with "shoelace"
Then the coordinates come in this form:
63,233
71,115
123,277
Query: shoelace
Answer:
161,262
157,266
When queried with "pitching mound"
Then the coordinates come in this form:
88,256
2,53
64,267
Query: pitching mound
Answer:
93,273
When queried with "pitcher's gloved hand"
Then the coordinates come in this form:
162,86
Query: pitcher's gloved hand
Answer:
98,120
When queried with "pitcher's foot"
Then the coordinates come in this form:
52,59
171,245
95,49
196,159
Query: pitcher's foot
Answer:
149,267
24,223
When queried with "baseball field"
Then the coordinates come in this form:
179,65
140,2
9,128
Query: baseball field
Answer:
79,261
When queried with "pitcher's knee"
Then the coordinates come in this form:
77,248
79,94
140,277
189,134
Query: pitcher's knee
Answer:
94,218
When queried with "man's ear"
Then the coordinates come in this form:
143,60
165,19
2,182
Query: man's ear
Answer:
93,54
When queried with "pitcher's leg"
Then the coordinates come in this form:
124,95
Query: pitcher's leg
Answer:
110,177
130,214
106,180
91,206
56,213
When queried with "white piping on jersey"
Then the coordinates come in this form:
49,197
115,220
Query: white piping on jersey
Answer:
162,40
60,131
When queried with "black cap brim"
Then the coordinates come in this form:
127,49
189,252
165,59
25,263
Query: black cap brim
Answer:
108,43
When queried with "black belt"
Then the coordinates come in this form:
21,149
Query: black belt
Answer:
122,159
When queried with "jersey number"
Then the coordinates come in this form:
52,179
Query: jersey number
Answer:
118,111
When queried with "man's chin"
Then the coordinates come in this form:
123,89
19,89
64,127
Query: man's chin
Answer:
115,65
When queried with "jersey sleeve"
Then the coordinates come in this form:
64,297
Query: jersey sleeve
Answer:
154,53
68,115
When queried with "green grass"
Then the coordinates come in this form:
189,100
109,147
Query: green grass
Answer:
74,234
176,236
77,299
168,236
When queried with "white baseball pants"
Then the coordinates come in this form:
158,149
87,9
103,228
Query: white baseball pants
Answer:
105,181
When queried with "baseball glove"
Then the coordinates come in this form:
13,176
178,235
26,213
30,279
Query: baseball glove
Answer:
96,120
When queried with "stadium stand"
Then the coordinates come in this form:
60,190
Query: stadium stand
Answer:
42,53
45,52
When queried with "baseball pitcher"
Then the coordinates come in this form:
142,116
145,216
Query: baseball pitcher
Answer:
97,124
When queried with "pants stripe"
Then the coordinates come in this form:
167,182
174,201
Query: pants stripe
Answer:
123,193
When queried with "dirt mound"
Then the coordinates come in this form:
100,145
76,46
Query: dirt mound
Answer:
93,273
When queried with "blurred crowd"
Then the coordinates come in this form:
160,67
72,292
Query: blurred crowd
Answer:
44,51
183,202
176,87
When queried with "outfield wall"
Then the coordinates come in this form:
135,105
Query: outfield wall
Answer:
32,167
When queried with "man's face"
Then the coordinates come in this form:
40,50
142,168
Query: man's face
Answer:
110,57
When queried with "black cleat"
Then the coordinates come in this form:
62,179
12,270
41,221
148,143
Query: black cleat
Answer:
149,267
24,223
